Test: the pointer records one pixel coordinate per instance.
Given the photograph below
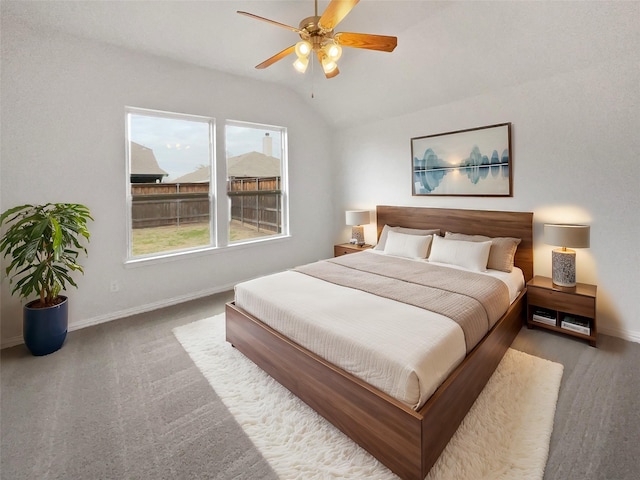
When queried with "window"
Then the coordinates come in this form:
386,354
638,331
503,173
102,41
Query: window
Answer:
256,181
170,162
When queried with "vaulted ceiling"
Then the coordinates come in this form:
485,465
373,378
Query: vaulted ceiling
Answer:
446,50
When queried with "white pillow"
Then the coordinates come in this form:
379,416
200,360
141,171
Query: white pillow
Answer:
471,255
409,231
502,253
410,246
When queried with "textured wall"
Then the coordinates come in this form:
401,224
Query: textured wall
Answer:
575,150
63,139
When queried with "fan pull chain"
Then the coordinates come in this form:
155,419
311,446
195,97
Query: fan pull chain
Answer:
313,76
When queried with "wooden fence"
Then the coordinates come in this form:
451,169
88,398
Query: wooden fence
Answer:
160,204
255,202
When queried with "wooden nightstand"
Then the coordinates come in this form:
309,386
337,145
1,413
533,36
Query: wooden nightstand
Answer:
346,248
571,311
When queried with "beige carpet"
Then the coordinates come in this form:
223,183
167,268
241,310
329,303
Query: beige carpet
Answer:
504,436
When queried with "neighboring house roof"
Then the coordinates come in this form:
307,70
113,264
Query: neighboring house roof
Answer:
201,175
143,162
253,164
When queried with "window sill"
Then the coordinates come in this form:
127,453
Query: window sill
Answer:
201,252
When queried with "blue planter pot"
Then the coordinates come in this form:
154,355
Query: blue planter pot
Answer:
45,329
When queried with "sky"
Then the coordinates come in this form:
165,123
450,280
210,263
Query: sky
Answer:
181,145
240,139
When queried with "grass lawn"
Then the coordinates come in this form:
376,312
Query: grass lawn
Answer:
164,239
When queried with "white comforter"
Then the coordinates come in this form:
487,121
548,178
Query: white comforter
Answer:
405,351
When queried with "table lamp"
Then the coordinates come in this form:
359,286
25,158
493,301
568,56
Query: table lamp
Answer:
563,260
357,218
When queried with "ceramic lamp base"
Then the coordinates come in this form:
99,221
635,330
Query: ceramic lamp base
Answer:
563,266
357,235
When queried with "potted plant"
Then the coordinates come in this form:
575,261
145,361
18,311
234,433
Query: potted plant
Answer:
43,243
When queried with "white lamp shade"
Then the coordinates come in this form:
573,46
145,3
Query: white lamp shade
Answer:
301,64
328,64
303,48
357,217
572,236
333,51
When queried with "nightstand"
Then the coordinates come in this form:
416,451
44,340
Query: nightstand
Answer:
347,248
571,311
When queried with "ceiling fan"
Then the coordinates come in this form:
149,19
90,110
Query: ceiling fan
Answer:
317,35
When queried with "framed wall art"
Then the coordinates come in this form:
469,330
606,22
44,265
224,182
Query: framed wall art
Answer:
472,162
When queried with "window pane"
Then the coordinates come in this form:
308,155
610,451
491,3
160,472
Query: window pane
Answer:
170,162
255,160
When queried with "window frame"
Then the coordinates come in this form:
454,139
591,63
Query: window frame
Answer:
284,183
212,195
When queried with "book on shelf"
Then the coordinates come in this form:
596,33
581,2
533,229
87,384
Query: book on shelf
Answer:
542,315
545,320
576,324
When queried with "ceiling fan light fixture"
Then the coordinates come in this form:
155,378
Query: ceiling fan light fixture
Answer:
303,48
317,35
333,51
301,64
328,64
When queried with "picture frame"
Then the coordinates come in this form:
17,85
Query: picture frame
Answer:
472,162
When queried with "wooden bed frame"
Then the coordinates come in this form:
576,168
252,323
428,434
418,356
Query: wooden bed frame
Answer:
407,441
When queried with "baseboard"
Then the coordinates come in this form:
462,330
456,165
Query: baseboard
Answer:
89,322
11,342
629,335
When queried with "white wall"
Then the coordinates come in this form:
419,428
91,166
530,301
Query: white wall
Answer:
575,147
63,139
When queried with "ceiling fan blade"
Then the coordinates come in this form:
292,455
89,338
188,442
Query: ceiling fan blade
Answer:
272,22
276,57
382,43
335,12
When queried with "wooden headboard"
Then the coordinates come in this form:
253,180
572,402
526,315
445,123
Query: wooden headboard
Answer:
472,222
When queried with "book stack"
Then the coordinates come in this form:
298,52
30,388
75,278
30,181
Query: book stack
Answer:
576,324
541,315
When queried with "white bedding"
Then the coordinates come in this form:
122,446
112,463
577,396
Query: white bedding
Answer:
405,351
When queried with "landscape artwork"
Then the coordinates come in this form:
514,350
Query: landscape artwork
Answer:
473,162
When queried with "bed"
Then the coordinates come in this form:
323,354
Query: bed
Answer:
406,440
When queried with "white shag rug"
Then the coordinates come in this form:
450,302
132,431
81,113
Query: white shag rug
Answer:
505,435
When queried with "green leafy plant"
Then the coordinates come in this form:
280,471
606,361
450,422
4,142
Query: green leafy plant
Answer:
43,242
